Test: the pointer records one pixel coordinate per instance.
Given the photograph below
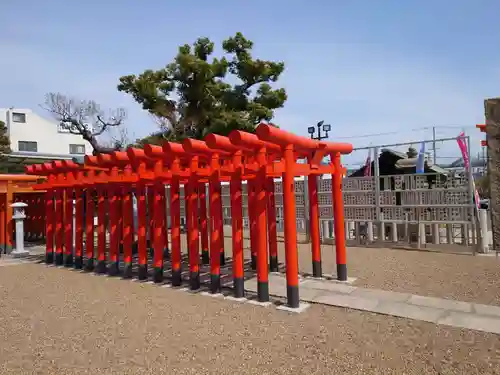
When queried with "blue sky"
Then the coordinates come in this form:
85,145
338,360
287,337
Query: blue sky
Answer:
365,66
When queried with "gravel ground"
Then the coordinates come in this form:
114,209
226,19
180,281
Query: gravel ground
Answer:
57,321
445,275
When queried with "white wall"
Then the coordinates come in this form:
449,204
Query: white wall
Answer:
38,129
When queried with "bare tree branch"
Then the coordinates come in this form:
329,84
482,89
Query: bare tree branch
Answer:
84,117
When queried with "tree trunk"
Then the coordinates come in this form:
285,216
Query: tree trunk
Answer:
492,115
98,149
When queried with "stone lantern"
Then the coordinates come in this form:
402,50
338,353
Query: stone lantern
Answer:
19,216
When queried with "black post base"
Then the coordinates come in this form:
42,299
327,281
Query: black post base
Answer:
78,263
127,271
101,267
142,273
49,258
342,272
176,277
214,284
273,264
254,262
205,257
68,260
59,259
158,275
317,272
292,296
239,287
113,269
263,291
194,280
90,265
222,259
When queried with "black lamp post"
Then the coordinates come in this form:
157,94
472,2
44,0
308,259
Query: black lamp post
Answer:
321,126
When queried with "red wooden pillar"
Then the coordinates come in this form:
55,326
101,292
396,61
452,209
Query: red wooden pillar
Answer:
101,229
35,233
215,251
28,221
312,184
220,220
175,221
191,193
89,228
49,226
251,218
338,218
290,218
271,226
120,222
114,239
164,232
236,195
3,223
151,215
78,229
41,219
202,194
142,223
261,229
9,230
68,227
158,240
128,231
59,228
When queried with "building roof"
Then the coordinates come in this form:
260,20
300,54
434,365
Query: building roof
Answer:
410,163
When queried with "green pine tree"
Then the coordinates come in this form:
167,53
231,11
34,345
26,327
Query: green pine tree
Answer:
4,148
197,94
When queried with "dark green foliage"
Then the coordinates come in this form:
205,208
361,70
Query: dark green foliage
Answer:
412,153
4,149
193,97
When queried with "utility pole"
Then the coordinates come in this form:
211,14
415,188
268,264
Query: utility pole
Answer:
434,145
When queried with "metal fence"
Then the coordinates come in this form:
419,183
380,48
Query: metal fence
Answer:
432,208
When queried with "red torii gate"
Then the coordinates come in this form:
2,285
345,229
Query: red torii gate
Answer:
256,159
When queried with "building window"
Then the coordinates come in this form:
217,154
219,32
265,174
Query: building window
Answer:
27,146
77,149
19,117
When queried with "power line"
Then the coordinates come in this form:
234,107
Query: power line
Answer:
406,130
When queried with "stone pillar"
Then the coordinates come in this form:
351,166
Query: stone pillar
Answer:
394,232
483,231
369,231
435,234
465,234
492,116
422,235
19,216
325,230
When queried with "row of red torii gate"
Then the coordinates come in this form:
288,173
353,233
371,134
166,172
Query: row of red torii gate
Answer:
109,181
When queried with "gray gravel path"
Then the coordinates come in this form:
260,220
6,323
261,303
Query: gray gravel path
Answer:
57,321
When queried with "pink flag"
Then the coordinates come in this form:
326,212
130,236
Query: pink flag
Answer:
465,155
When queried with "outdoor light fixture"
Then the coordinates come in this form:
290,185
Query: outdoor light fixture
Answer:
321,126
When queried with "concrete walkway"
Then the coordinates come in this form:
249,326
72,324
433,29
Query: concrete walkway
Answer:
435,310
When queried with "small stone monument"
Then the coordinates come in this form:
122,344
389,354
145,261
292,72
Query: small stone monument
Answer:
19,216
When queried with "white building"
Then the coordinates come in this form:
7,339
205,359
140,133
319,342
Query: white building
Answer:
34,137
